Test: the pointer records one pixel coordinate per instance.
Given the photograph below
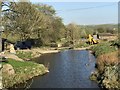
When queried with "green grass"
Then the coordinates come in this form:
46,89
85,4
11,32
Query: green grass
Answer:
23,71
103,48
17,64
24,55
81,45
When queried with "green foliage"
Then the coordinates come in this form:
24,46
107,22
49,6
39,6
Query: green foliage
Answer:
25,20
82,44
17,64
107,28
24,55
103,48
32,21
72,32
102,28
115,43
23,71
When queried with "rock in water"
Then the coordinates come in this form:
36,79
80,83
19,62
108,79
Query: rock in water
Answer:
12,50
8,69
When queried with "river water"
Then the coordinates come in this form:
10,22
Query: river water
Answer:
68,69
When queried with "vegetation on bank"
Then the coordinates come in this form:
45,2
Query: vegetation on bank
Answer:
23,71
24,55
82,44
39,23
107,66
103,48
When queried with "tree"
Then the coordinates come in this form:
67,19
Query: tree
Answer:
24,20
73,33
46,9
35,21
54,25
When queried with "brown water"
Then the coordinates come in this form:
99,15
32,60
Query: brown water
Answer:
68,69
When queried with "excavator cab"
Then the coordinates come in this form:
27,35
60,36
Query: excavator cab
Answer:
93,39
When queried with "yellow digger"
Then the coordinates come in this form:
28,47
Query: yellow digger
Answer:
92,39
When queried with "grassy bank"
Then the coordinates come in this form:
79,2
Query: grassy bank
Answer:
23,71
25,55
103,48
34,52
107,65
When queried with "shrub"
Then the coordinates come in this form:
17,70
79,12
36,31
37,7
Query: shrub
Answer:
103,48
115,43
108,68
24,55
66,44
109,59
82,44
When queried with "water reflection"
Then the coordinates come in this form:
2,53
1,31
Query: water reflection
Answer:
68,69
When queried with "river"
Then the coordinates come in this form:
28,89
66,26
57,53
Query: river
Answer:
68,69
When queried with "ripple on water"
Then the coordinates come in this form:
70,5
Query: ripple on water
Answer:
68,69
